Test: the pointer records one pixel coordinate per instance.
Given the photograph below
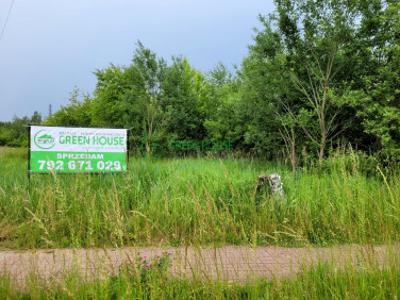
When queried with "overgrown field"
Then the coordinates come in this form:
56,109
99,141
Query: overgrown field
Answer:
196,201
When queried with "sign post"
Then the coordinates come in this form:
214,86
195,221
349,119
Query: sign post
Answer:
77,150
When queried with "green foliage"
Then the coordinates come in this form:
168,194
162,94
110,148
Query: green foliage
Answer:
359,101
76,113
220,108
183,91
15,133
319,75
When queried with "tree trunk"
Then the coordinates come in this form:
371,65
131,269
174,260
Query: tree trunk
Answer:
292,156
322,146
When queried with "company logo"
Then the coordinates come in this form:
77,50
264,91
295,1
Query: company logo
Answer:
44,140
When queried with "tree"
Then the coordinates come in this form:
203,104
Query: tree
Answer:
130,97
14,133
184,90
220,105
76,113
322,67
262,88
109,96
377,99
319,74
319,95
149,72
36,118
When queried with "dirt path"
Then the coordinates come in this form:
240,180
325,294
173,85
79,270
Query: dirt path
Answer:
232,263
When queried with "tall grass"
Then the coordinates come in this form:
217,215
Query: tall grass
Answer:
196,201
320,282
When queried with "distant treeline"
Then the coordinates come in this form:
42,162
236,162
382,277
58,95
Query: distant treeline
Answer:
15,132
319,75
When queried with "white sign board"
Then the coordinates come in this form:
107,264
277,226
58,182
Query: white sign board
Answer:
66,149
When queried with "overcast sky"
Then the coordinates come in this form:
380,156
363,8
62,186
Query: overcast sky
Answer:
51,46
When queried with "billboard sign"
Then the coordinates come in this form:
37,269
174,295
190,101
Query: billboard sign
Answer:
77,150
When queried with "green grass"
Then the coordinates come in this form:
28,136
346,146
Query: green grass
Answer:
195,201
320,282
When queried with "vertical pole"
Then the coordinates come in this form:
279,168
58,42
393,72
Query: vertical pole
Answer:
28,167
128,144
